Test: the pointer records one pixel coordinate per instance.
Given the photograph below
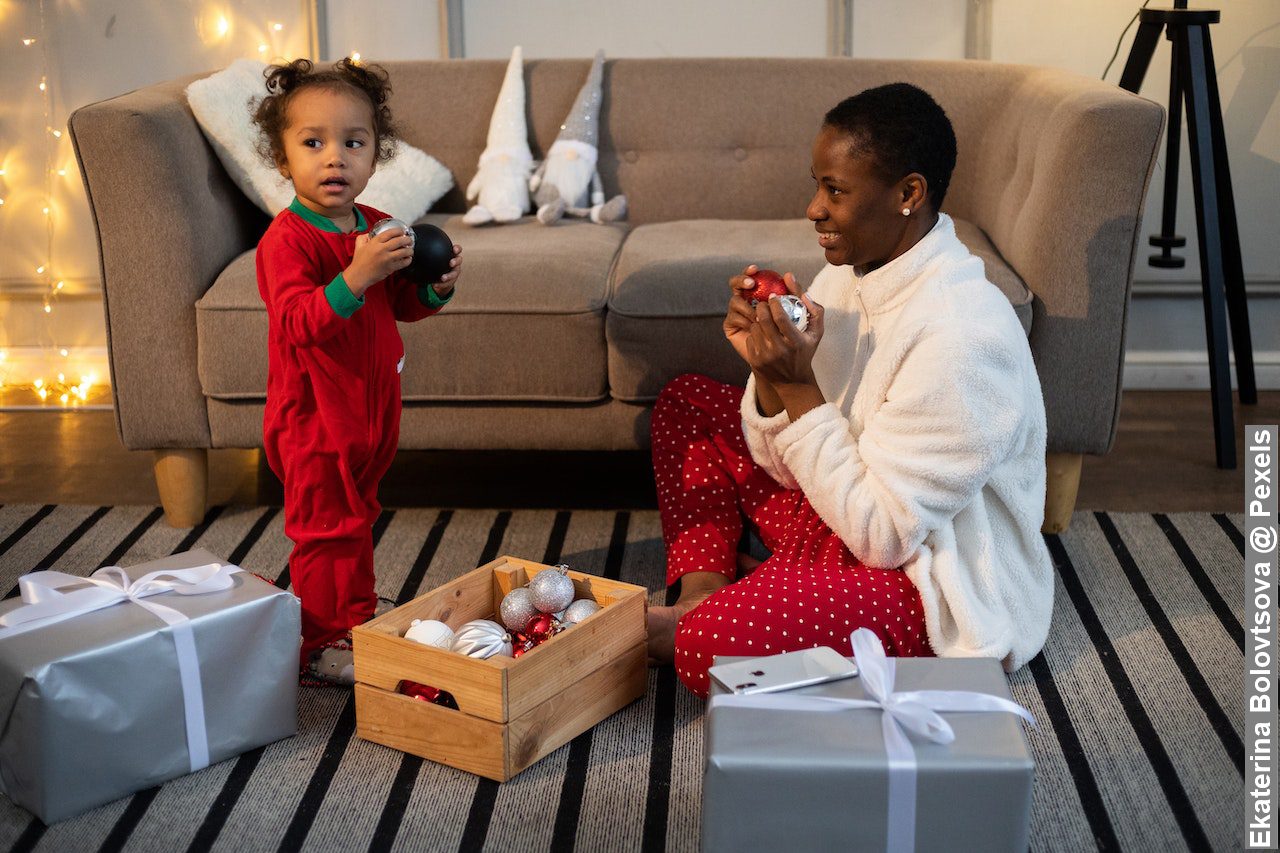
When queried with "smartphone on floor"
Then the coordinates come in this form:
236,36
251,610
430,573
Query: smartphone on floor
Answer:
785,671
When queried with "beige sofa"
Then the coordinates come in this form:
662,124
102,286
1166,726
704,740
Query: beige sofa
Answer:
560,337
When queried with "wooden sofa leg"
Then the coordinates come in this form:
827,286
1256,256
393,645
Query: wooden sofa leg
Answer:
182,476
1061,487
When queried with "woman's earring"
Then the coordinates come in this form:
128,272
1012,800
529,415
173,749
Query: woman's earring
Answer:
906,211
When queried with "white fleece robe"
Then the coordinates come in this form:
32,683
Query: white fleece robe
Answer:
930,452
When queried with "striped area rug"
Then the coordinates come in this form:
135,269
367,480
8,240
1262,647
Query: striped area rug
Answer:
1138,695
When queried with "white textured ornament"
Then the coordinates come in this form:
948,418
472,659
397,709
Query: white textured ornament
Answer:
482,638
579,610
430,632
552,589
517,608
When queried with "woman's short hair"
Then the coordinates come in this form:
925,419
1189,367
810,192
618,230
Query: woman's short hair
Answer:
904,130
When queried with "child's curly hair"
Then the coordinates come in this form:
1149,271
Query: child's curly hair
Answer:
285,81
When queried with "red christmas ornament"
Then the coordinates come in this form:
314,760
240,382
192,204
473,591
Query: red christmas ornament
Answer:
420,691
768,283
521,643
539,627
426,693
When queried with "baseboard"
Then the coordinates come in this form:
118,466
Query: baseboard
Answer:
1188,370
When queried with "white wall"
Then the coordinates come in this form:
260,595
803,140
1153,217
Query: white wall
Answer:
99,48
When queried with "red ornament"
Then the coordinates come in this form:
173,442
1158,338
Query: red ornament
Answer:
539,627
521,643
420,691
768,283
426,693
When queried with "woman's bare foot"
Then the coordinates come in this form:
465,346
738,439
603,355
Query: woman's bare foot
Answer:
695,587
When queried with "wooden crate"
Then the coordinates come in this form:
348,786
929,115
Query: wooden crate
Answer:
511,711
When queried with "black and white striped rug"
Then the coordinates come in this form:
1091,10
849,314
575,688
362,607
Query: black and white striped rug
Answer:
1139,698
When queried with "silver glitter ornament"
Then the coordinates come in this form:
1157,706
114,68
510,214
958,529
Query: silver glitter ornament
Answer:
482,638
517,609
795,310
552,589
579,610
389,223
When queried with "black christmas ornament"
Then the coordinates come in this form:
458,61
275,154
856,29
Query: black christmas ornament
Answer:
432,250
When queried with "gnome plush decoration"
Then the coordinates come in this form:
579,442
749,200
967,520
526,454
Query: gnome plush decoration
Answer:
567,182
501,184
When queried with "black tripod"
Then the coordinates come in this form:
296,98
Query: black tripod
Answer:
1192,77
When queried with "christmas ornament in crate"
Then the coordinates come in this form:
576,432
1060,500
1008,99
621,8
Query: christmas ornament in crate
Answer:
513,707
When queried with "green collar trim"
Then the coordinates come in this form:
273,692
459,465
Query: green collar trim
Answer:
322,222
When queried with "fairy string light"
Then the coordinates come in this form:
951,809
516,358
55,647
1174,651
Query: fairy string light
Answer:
70,388
64,390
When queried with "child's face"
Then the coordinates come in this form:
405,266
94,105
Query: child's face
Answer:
858,215
329,149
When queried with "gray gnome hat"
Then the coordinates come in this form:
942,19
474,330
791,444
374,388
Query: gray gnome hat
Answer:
583,122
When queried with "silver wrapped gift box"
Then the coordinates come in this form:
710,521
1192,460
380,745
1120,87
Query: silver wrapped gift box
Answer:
796,780
93,706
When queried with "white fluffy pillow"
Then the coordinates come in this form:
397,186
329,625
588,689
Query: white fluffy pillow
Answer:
405,186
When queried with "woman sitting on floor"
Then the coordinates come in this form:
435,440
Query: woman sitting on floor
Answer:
896,473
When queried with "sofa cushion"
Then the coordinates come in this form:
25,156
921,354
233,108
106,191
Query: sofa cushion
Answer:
526,323
670,285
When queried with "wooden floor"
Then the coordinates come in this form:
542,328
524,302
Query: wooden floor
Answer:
1163,461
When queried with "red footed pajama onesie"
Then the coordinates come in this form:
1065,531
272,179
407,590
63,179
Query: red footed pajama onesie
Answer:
332,417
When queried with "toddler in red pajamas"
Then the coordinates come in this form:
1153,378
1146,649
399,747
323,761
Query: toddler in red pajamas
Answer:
890,454
333,296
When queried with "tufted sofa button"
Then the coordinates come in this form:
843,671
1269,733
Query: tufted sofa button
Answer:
630,156
739,154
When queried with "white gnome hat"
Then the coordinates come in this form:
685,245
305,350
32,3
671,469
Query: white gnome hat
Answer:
507,129
583,122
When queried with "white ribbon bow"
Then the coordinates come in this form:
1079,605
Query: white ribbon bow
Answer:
909,709
46,603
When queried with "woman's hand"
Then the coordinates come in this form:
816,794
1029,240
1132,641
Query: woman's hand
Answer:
776,350
741,316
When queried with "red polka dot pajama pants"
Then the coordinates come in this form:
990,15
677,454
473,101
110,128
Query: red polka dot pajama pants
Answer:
810,592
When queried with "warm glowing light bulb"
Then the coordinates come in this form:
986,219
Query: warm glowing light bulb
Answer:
62,173
63,398
224,26
355,56
262,48
28,42
39,384
60,285
62,377
43,87
45,211
43,393
57,134
277,27
63,351
40,270
48,309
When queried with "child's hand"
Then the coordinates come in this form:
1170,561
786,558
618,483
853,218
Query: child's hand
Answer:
447,281
377,258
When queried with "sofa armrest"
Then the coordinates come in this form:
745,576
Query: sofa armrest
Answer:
1062,179
168,220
